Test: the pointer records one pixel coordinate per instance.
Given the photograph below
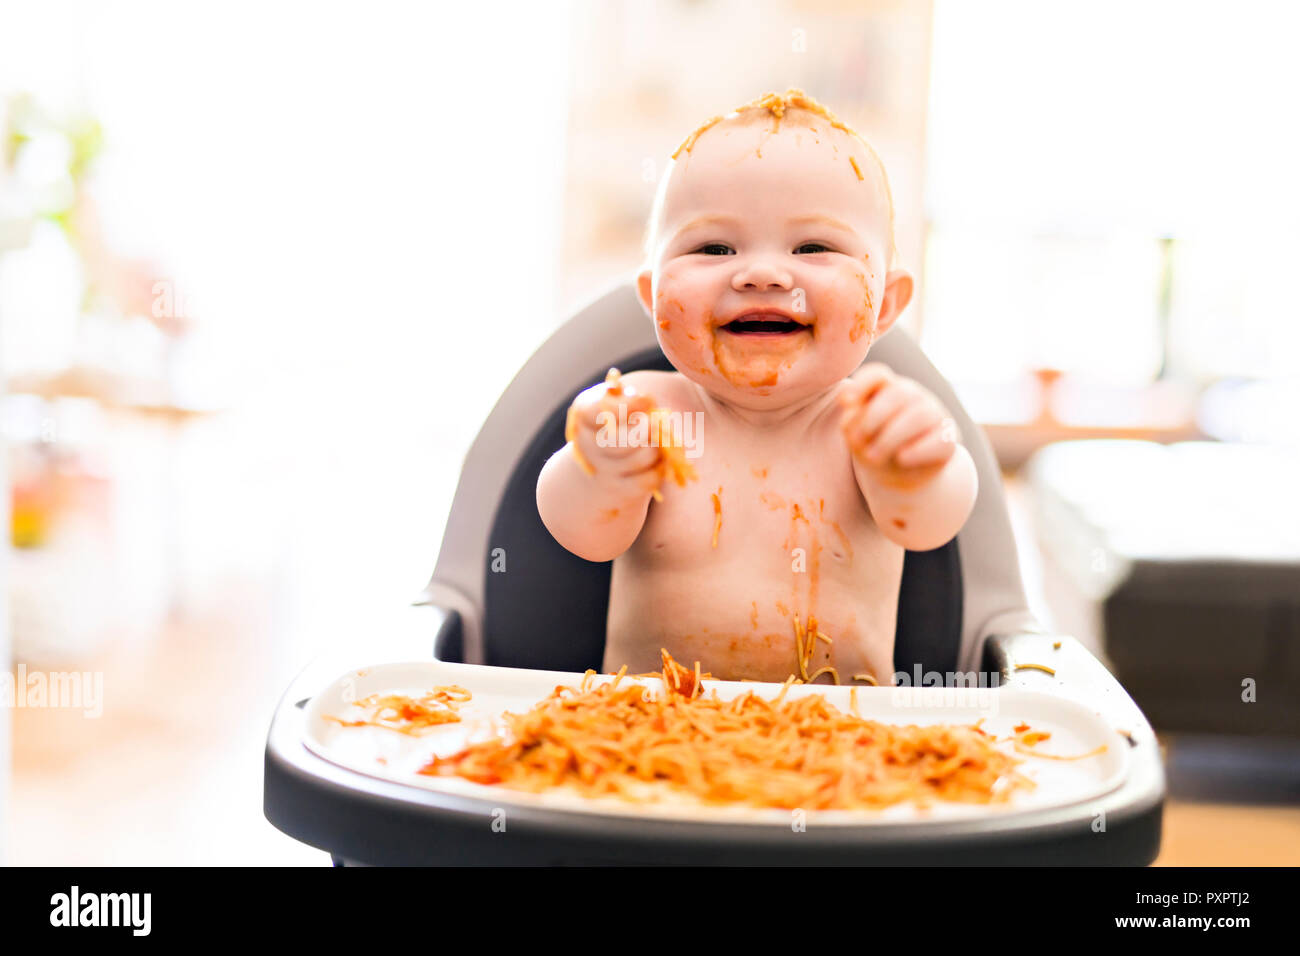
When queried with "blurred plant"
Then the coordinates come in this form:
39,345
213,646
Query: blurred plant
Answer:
49,160
47,163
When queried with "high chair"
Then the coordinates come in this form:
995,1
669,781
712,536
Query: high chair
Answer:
961,608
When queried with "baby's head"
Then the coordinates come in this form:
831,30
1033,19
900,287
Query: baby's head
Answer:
770,253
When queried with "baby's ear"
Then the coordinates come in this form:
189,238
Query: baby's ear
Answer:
898,292
644,284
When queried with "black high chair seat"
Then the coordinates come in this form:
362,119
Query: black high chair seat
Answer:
961,611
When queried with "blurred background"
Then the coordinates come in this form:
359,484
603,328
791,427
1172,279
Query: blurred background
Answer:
264,271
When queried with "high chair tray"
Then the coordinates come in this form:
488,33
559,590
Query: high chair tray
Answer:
395,756
330,791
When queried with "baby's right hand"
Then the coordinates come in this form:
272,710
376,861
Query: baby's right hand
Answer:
592,431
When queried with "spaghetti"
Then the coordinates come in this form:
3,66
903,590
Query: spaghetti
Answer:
571,436
1025,739
1036,667
717,515
410,715
805,639
618,739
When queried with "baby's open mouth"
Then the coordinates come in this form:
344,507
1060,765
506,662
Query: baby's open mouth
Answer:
763,322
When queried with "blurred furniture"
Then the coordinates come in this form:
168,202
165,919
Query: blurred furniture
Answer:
1187,557
1060,409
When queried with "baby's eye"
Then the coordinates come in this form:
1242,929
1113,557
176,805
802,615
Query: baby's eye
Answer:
810,248
715,249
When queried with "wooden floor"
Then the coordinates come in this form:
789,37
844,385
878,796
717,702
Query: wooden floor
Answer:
1213,834
171,773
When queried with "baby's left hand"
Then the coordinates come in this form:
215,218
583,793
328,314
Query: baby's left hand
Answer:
894,425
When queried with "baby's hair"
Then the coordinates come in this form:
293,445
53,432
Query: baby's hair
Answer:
776,105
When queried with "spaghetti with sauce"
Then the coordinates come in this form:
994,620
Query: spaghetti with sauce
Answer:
617,739
409,715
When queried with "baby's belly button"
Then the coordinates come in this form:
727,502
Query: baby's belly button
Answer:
764,655
759,656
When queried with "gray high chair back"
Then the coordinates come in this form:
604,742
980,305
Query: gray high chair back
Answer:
962,610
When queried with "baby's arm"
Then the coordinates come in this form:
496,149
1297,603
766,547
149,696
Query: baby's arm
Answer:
919,482
593,498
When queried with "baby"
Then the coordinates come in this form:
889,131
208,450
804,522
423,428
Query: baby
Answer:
770,273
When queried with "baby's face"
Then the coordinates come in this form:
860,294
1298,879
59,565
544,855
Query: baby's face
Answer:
768,279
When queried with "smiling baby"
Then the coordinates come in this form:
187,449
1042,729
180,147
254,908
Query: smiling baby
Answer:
769,275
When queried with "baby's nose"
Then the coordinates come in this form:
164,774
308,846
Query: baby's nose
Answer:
761,276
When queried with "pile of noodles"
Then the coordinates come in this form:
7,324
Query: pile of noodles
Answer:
615,738
410,715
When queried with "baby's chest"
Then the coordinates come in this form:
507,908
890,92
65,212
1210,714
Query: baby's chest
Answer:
764,508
